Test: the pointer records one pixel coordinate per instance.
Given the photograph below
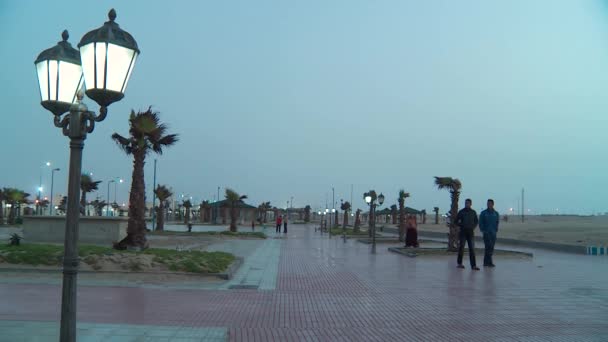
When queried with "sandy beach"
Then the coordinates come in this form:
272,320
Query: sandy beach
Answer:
572,230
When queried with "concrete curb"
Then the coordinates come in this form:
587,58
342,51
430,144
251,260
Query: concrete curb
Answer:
411,252
559,247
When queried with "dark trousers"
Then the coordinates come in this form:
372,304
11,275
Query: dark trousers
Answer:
284,228
278,229
489,239
469,237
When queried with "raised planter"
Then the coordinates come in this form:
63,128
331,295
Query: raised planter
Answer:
92,229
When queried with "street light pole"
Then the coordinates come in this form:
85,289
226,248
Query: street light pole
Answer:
52,183
108,197
370,197
107,51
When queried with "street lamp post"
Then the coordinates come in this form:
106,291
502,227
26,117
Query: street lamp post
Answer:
52,184
108,196
370,197
38,208
105,62
120,180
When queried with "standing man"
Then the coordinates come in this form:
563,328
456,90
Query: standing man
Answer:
279,221
467,221
488,224
284,225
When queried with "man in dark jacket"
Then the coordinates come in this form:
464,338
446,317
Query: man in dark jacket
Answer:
488,224
467,221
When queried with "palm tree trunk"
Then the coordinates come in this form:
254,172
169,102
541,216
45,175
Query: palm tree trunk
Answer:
437,217
453,235
160,223
187,218
401,220
233,219
136,226
83,202
345,221
1,213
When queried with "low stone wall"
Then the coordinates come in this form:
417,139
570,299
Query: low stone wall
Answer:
92,229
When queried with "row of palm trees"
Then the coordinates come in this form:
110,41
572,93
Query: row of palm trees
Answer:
16,198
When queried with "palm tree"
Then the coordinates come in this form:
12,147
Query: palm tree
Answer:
15,198
146,134
233,199
357,226
394,213
63,205
436,211
204,211
162,193
346,208
401,199
453,185
2,199
423,213
307,209
87,184
41,204
98,206
267,207
187,205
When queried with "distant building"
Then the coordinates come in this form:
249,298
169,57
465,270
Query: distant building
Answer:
219,212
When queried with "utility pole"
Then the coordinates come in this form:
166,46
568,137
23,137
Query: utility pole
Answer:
217,207
523,207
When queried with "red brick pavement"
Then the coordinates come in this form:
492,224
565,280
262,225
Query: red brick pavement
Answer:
331,291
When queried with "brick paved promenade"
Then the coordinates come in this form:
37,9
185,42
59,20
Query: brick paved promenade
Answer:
312,288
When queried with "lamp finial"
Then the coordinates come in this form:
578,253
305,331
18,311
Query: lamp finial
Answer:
112,14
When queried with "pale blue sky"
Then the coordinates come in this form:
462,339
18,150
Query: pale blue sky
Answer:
286,98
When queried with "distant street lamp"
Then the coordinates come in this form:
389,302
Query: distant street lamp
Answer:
52,184
370,198
105,62
108,196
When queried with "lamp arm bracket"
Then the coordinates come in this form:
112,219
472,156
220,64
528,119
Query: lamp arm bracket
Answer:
89,118
62,123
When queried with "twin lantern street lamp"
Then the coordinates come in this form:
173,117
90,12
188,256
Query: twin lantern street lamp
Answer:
103,64
370,197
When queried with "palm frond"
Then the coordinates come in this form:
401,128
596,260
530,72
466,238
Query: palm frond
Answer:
123,143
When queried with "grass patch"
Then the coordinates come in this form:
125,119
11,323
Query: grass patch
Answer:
259,235
349,232
182,261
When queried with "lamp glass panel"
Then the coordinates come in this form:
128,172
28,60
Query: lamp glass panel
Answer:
100,59
119,67
53,73
368,199
43,80
124,87
70,81
87,56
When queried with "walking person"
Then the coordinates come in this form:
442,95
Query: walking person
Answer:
279,222
467,221
488,224
284,225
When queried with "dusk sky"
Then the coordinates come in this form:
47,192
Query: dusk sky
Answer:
289,98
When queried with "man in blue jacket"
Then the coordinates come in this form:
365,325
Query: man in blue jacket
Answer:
488,224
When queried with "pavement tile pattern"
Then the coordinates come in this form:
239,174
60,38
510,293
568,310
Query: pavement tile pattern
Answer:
312,288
